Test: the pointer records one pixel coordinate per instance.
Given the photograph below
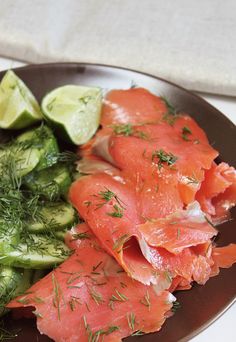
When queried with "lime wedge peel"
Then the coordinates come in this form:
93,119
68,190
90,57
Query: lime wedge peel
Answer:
74,111
18,106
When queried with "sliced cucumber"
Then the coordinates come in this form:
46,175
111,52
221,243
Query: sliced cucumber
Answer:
53,216
50,183
10,279
60,234
42,143
37,251
9,236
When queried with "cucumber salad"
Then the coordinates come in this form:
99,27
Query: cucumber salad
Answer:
35,175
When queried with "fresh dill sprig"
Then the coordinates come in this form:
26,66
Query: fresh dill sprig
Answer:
106,196
123,129
146,300
81,236
163,157
131,320
176,306
5,334
185,133
170,107
172,114
128,130
67,157
117,212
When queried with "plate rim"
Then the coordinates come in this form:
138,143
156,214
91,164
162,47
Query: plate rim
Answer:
81,64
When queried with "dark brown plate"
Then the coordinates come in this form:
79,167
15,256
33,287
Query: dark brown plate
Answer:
203,304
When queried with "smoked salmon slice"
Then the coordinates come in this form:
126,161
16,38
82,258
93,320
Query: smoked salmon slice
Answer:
157,157
109,208
148,192
90,298
217,193
152,252
135,105
223,257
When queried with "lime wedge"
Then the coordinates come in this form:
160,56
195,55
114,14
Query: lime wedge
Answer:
18,106
74,111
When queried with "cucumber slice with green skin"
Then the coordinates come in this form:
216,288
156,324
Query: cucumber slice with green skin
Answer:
10,280
60,234
9,236
54,216
42,143
24,160
50,183
38,252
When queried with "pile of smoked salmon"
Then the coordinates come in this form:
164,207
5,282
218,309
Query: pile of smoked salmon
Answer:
150,195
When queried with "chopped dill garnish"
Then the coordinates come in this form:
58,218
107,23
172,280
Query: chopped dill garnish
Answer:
168,276
163,157
192,180
67,157
117,212
119,297
5,334
96,296
73,302
131,320
38,300
37,314
106,196
96,267
125,129
128,130
185,133
138,333
146,301
57,295
72,278
94,336
81,236
123,284
171,115
23,300
170,107
176,306
133,84
178,233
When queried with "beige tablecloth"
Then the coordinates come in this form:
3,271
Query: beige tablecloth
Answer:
190,42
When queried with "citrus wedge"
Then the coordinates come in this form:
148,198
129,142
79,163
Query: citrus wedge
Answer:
18,106
74,111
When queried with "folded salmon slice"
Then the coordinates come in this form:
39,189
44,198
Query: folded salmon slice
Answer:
223,257
178,231
135,105
109,208
151,252
156,157
89,297
217,194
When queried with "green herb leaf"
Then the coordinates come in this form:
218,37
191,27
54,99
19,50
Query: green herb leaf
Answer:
118,211
163,157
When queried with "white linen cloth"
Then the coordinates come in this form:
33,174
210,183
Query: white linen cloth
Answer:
192,43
